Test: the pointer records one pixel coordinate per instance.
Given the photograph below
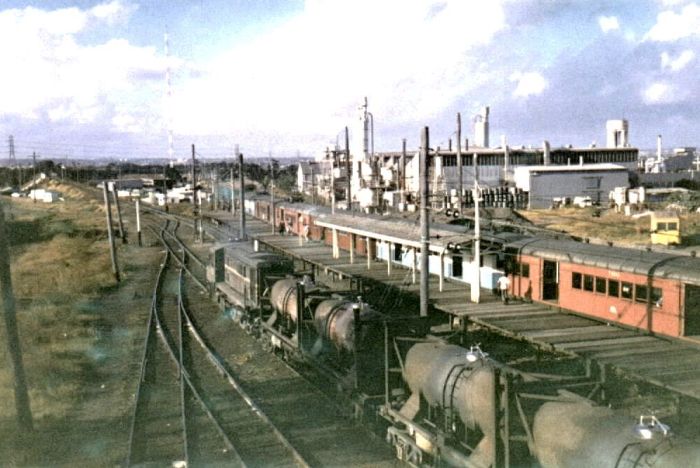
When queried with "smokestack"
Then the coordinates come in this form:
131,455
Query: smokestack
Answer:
658,147
545,149
481,128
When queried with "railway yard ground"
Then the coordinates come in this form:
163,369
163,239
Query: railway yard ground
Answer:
82,337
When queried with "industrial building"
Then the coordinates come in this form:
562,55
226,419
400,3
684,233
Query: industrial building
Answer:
375,182
546,183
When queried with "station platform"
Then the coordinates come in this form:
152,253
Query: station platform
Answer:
667,363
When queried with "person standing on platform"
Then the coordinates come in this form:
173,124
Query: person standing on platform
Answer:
503,286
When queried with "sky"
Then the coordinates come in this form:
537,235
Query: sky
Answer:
87,79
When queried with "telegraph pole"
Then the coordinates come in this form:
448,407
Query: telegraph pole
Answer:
233,193
138,222
272,197
241,233
24,412
119,212
402,179
13,160
333,185
348,168
110,235
34,176
476,283
424,222
195,201
459,162
165,189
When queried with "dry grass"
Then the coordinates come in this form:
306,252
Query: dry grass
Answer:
609,226
58,259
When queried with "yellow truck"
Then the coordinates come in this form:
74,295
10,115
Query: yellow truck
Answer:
665,228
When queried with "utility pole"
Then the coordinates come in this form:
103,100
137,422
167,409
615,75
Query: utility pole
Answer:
34,176
233,193
272,196
424,222
215,185
24,412
348,168
333,185
459,162
241,233
110,235
402,178
122,234
13,160
165,188
476,283
138,222
195,201
313,186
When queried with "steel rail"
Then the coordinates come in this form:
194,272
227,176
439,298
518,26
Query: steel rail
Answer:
221,367
144,361
148,347
168,341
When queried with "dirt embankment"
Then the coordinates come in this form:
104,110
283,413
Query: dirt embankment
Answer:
81,333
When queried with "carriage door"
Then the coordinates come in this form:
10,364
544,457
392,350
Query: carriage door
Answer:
692,310
550,281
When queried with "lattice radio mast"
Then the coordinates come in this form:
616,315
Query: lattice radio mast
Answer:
168,98
13,160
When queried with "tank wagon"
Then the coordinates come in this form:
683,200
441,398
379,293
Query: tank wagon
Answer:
338,333
464,409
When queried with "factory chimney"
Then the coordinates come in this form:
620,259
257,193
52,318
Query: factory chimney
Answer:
481,128
658,147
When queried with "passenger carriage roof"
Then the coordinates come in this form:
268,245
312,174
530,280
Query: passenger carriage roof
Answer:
660,264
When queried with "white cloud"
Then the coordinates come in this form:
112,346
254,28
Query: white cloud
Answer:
528,83
671,3
114,11
671,26
659,93
679,63
608,23
412,59
56,76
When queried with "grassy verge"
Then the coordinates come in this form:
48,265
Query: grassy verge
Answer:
76,345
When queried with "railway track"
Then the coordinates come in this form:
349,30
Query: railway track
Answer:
186,411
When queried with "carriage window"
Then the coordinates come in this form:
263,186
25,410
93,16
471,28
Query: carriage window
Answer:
576,280
600,285
613,288
640,293
657,297
457,266
626,291
672,226
660,226
587,283
525,270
